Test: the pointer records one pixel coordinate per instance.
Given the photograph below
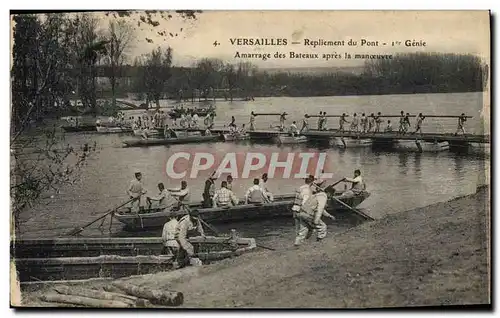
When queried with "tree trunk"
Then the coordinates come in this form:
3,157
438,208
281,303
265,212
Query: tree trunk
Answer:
160,297
113,85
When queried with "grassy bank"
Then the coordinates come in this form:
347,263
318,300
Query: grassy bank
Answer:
436,255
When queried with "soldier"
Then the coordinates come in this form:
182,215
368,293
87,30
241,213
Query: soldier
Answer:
310,215
301,195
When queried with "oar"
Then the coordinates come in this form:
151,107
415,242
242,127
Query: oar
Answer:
353,209
80,229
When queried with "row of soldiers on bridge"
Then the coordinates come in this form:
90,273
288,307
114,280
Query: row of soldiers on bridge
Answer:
360,124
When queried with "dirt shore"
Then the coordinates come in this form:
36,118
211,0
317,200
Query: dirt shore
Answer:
436,255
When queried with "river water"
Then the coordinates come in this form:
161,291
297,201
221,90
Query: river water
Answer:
398,181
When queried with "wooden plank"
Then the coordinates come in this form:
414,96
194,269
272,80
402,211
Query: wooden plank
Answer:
103,259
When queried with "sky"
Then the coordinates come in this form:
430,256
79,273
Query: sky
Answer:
443,31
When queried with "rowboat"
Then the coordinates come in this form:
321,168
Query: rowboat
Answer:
149,132
235,137
342,142
284,139
113,129
71,128
168,141
83,258
421,146
479,148
280,207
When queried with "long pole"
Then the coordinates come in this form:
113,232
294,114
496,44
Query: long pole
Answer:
80,229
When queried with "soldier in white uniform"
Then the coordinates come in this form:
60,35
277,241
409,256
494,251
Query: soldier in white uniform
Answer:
310,215
136,191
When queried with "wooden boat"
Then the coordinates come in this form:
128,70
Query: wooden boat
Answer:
281,207
421,146
113,129
236,137
155,132
342,142
479,148
285,139
169,141
70,128
82,258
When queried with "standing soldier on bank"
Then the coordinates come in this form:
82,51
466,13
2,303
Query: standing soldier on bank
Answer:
310,215
301,195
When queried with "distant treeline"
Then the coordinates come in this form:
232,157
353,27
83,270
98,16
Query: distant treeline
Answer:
405,73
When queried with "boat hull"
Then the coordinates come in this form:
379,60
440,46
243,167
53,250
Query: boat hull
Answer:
169,141
289,140
421,146
479,148
79,128
341,142
154,133
281,207
113,130
235,137
83,258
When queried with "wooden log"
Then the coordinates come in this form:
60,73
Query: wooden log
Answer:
139,302
84,301
98,294
167,298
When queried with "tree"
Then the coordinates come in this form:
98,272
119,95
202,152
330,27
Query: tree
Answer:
120,35
157,71
39,74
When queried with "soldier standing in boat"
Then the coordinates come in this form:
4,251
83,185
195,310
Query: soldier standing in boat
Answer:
136,191
252,121
255,194
301,195
378,121
354,123
461,124
342,121
282,121
364,123
209,192
371,122
323,125
186,224
407,124
310,214
418,127
401,123
293,129
305,124
224,197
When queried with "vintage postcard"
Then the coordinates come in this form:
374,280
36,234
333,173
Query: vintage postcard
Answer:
250,159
